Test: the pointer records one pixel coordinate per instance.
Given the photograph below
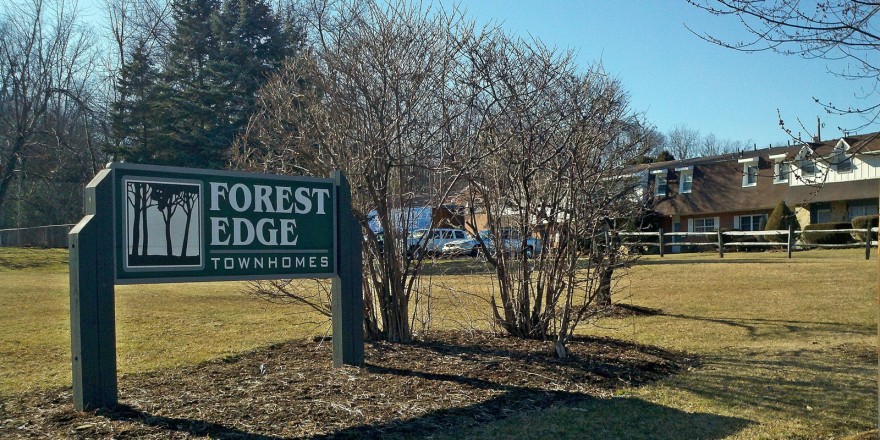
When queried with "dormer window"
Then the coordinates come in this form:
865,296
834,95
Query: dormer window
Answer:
844,163
685,180
750,171
660,184
808,167
781,169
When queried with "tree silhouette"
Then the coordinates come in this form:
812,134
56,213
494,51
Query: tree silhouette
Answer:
187,199
167,201
139,197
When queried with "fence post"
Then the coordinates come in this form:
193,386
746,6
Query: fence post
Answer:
720,244
790,243
868,242
660,241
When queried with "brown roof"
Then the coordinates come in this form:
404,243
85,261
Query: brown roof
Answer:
717,183
717,187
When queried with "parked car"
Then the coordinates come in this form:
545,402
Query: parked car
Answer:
512,244
431,241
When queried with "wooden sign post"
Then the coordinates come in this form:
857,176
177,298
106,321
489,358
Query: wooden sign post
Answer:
148,224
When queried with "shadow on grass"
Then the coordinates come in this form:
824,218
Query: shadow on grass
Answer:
523,413
823,384
759,327
708,260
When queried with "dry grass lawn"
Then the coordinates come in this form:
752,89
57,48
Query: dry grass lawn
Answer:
789,347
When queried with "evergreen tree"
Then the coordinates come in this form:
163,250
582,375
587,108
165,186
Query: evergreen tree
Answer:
187,98
133,115
251,44
664,156
190,113
781,218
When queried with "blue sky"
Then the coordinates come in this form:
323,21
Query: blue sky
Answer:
674,77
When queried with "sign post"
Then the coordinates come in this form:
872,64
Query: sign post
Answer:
92,315
347,298
149,224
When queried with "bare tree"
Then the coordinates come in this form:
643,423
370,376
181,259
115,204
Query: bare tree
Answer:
49,120
553,145
834,30
374,98
683,142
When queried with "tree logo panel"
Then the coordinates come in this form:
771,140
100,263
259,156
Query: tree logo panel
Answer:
163,221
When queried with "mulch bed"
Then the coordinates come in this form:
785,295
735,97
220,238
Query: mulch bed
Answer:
449,381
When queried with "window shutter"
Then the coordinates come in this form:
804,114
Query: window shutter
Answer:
736,224
717,223
690,225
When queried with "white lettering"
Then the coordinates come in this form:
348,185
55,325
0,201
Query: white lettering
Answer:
240,205
258,263
300,261
282,196
215,260
312,261
288,229
302,197
243,232
261,199
215,194
218,226
272,239
285,262
243,262
325,262
321,192
273,263
228,263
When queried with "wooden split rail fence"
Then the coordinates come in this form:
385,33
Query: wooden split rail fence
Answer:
717,239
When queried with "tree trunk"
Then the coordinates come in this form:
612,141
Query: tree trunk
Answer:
561,350
603,292
136,224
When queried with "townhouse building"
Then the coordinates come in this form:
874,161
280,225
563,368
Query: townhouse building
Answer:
827,181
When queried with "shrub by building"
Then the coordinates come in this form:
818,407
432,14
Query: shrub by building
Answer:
815,234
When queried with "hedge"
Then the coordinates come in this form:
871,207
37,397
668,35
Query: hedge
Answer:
781,218
817,237
862,222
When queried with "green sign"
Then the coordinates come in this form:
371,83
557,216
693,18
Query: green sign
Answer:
150,224
176,224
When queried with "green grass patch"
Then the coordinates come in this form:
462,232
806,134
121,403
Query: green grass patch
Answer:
33,258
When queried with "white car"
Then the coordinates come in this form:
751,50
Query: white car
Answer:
510,239
431,241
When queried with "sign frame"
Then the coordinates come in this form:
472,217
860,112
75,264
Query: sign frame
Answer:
95,265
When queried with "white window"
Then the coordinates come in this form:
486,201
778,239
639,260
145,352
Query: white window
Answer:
808,167
781,171
756,222
707,224
660,185
687,182
844,164
750,171
750,175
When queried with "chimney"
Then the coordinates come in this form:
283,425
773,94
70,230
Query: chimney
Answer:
818,137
